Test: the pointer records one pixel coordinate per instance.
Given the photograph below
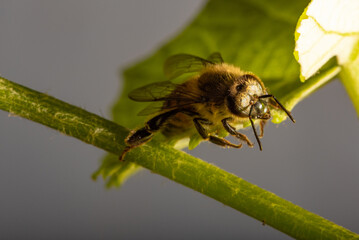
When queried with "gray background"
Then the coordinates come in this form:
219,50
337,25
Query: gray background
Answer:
72,50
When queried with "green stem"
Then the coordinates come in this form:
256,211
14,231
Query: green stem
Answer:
310,86
66,118
173,164
305,89
350,77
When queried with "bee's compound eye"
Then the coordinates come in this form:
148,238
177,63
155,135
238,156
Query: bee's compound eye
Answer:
244,101
240,87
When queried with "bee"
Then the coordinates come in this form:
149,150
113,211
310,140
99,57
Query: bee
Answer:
217,96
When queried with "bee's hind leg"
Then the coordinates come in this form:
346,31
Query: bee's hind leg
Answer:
145,134
213,139
135,139
229,128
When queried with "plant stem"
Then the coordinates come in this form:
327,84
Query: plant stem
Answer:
173,164
305,89
350,77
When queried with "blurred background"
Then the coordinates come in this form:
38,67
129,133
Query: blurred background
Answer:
73,50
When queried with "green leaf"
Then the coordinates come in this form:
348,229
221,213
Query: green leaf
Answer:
251,34
194,140
114,171
257,36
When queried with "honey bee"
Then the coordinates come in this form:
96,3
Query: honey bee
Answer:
218,96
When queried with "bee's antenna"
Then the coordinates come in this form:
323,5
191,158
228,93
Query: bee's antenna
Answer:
282,107
254,129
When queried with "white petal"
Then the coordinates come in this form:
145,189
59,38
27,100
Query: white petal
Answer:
328,28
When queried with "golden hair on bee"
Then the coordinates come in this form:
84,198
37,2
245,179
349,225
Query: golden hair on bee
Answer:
217,96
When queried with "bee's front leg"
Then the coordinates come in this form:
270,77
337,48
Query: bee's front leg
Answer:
262,123
213,139
229,128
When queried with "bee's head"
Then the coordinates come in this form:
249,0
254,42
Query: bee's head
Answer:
247,97
244,99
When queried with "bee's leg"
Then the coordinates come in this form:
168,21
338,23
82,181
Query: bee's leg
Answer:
234,133
145,134
214,139
262,123
135,139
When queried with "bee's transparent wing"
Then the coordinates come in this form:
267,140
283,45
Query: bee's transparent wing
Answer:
179,64
161,91
174,95
152,108
215,57
158,107
157,91
167,91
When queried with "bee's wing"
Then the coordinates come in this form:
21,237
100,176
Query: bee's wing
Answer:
161,91
151,109
157,91
179,64
215,57
164,91
158,107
